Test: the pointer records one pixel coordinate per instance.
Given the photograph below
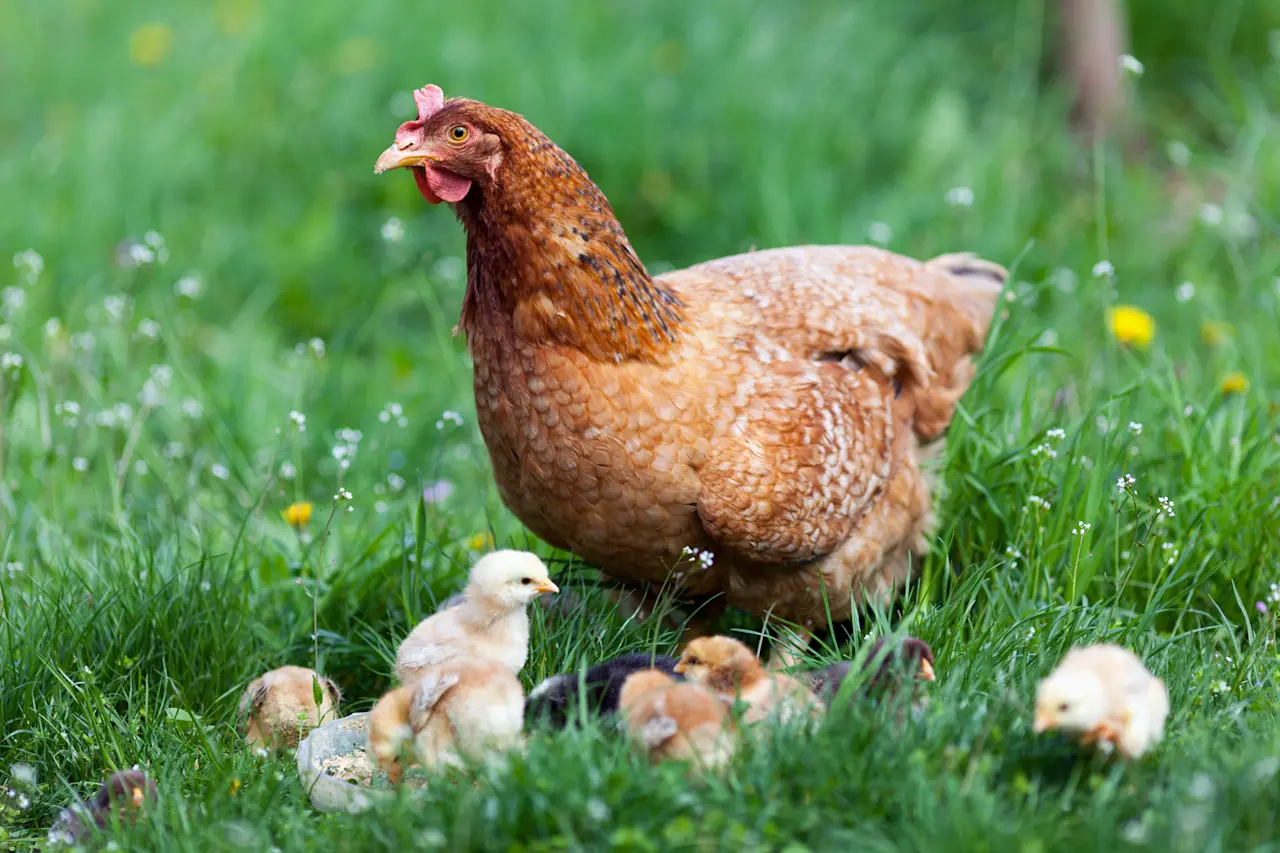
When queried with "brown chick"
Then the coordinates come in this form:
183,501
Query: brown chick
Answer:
491,622
728,668
279,706
121,795
676,719
767,411
390,731
469,708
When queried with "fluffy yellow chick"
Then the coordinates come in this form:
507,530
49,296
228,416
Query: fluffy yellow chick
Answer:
1104,694
390,731
676,719
491,622
279,706
729,669
465,708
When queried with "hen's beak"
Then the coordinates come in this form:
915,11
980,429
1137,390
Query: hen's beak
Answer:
1044,721
546,586
137,796
399,156
926,670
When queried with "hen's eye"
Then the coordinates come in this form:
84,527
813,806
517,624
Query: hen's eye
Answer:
1064,707
458,133
526,581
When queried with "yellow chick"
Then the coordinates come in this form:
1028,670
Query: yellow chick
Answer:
491,622
676,719
729,669
465,708
390,731
1104,694
279,706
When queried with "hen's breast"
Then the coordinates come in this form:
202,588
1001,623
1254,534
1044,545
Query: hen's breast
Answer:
598,459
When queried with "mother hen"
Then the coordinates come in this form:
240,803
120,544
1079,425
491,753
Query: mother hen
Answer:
754,423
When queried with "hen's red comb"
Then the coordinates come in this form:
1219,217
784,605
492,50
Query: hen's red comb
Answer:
429,99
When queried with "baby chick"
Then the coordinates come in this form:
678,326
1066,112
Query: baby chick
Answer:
277,706
390,731
556,698
122,794
727,668
1104,694
491,622
465,708
912,658
676,719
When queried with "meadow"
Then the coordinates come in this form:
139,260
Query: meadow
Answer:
215,311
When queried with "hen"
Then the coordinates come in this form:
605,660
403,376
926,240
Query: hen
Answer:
768,408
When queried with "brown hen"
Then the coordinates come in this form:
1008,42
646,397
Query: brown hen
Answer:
768,408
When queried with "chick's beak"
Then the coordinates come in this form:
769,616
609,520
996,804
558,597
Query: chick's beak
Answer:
401,155
1044,721
546,586
137,796
680,668
926,670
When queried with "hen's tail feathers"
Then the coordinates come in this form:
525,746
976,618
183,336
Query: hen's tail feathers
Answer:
963,302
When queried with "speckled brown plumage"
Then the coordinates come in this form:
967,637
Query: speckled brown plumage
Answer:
769,407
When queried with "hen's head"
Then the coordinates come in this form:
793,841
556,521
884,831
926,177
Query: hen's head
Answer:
721,663
451,145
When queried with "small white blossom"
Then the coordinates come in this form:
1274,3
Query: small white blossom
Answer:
1104,269
395,481
451,417
11,362
393,230
116,305
192,408
342,495
1039,502
288,471
148,329
1135,427
205,586
316,345
299,420
1218,687
190,286
11,301
437,491
80,464
173,450
1044,449
1081,528
1125,482
1056,434
879,233
960,197
52,327
1131,65
1185,292
69,411
380,507
1210,214
1178,153
1064,279
449,268
222,472
1166,508
1187,410
29,264
705,558
83,341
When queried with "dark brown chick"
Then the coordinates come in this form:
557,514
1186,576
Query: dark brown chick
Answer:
729,669
122,794
910,661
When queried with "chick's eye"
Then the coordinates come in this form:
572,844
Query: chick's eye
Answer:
526,581
458,133
692,661
1064,707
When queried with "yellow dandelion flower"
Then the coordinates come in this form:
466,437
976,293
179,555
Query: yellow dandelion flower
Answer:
1235,382
480,542
150,44
1215,332
1131,325
235,786
297,514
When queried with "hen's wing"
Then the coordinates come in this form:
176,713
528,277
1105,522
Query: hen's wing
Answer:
916,321
801,464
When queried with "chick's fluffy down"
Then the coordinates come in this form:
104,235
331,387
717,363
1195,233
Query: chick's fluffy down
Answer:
278,706
465,708
676,719
390,731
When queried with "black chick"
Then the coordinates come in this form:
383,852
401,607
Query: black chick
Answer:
912,658
122,794
555,699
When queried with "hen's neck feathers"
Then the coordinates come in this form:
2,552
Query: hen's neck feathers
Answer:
547,259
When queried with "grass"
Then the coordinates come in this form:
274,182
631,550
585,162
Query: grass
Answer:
146,573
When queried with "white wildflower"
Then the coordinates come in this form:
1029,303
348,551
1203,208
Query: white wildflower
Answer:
393,230
1125,482
1056,434
1131,65
380,507
83,341
437,491
1081,528
298,419
342,495
1219,686
316,345
205,586
1039,502
1166,508
222,472
69,411
1210,214
148,329
449,268
960,197
1178,153
11,301
173,450
80,464
11,362
190,286
1044,449
30,265
192,408
879,233
395,481
116,305
140,467
1104,269
1135,427
1185,292
288,471
1064,279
